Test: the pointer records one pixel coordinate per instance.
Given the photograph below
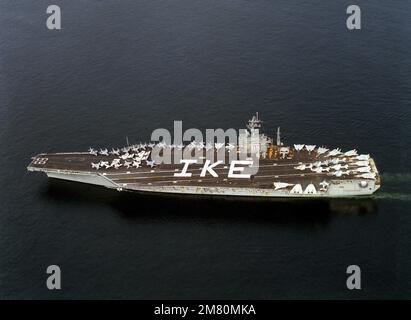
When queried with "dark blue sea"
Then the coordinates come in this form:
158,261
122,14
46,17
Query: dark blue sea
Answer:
124,68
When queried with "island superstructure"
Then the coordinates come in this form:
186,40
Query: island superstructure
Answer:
272,170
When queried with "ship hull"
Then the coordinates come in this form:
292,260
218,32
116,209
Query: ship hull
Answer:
339,189
299,174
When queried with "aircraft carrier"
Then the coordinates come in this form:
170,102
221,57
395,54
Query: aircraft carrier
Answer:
255,166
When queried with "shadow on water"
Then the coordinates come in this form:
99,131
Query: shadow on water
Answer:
143,206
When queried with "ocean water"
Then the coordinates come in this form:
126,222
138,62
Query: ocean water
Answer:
125,68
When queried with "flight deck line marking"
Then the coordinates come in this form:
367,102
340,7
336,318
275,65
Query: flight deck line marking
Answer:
199,177
200,168
182,180
224,183
151,175
211,179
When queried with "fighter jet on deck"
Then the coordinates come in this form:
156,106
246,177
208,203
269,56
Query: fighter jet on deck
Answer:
115,152
104,152
105,164
92,151
136,164
161,145
95,165
151,163
146,155
209,146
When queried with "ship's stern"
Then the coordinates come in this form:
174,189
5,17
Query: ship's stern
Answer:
374,169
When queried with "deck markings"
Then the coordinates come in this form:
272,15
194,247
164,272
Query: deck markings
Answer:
214,179
193,170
